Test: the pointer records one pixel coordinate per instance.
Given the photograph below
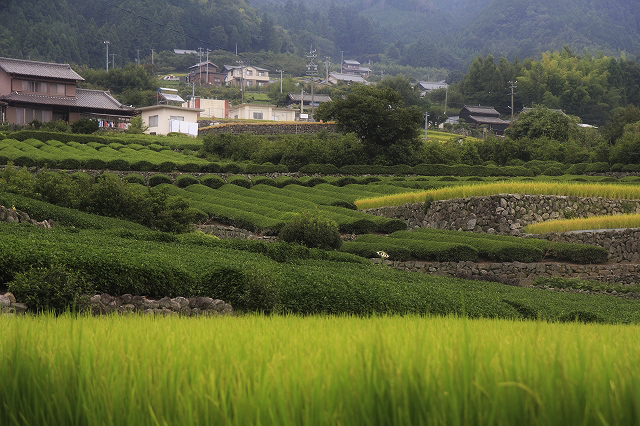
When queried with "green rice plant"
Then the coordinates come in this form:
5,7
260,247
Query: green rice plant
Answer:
543,188
587,223
400,370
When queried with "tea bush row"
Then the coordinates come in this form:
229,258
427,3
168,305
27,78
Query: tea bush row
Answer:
251,281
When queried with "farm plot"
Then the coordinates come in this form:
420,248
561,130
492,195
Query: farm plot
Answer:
321,370
55,153
264,208
450,246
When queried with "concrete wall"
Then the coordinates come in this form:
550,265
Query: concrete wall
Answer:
270,128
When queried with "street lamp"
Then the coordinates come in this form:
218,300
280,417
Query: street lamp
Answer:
107,43
280,71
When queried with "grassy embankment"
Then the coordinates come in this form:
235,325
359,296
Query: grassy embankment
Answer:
315,371
542,188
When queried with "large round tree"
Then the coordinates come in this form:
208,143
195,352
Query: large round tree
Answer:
377,115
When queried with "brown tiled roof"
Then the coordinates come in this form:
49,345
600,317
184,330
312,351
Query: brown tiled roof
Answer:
482,110
297,97
38,69
89,99
487,120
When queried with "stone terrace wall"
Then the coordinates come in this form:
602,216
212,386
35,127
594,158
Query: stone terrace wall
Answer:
270,129
12,215
503,213
518,273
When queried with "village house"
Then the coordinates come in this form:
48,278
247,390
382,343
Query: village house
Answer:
206,73
297,98
43,91
427,86
164,119
352,67
484,116
211,108
262,112
246,75
336,77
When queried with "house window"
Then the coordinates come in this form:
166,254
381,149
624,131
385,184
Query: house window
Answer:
175,117
258,116
249,83
27,115
262,73
36,87
261,83
153,121
249,72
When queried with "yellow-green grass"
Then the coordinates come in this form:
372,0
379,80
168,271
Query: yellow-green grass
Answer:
610,191
278,370
445,136
587,223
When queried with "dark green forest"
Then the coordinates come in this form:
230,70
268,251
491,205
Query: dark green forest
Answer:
419,33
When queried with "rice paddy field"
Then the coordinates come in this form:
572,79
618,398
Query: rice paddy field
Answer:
588,223
316,370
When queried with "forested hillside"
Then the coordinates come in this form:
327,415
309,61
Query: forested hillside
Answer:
420,33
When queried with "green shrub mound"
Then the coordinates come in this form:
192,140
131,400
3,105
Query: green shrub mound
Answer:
242,181
440,251
322,169
498,247
142,166
135,178
158,179
212,181
311,231
185,180
54,288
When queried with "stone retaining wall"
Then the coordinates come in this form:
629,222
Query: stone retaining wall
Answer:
225,232
518,273
9,306
104,304
270,129
12,215
503,213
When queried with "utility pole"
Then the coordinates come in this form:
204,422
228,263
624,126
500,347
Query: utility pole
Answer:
342,62
280,71
326,66
208,66
107,44
152,50
312,71
113,60
138,57
513,86
302,101
241,78
426,125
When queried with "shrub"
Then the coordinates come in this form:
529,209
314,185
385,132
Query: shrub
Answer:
185,180
55,288
343,181
3,160
600,167
24,161
188,167
167,166
155,180
142,166
134,178
85,126
239,181
312,231
577,169
70,164
618,167
631,168
232,168
315,181
553,171
95,164
118,164
263,180
211,168
212,181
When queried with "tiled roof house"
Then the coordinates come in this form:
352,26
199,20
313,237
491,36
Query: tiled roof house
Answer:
43,91
483,115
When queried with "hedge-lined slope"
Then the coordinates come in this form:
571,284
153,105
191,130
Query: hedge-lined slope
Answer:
122,262
263,208
451,246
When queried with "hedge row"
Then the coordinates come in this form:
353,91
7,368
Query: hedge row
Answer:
503,248
251,281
